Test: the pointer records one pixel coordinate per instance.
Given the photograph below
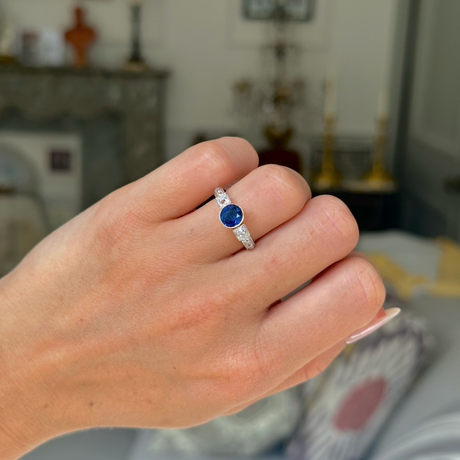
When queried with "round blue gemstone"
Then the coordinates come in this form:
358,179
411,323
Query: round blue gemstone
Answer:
231,216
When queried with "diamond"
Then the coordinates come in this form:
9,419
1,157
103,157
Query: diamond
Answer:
221,197
231,216
241,233
223,201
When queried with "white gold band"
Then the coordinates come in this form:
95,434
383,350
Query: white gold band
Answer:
241,231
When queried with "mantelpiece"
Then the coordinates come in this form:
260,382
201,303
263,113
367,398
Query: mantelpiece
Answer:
126,107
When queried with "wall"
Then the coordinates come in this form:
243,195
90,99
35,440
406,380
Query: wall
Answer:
432,147
207,46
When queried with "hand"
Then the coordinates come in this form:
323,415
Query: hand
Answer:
143,311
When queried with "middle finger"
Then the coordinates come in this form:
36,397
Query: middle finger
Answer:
323,233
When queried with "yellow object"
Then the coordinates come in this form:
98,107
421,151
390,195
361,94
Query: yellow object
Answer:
378,177
403,281
328,177
447,283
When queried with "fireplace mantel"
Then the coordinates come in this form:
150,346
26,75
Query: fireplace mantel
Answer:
45,94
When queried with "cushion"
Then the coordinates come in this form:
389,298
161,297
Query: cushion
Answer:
346,406
252,431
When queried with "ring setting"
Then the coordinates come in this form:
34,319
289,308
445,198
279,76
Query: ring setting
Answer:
232,216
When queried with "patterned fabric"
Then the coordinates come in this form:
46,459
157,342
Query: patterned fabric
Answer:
434,439
347,405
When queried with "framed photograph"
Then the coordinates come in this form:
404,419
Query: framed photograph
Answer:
296,10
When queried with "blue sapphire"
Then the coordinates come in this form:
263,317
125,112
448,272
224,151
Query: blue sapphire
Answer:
231,216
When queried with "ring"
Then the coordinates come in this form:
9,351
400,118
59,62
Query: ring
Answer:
232,216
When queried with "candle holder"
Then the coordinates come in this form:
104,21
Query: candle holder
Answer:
328,177
378,177
136,62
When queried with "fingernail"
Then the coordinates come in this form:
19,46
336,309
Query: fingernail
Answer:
375,324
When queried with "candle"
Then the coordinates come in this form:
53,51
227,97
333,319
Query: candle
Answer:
382,106
330,98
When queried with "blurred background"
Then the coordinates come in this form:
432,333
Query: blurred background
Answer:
362,97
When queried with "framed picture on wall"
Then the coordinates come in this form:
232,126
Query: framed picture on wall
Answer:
295,10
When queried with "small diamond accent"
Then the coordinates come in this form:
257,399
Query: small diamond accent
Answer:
243,235
223,201
249,245
222,198
241,232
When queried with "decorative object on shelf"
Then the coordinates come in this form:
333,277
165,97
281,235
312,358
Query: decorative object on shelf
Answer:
136,62
28,44
80,37
52,48
276,102
44,47
295,10
7,39
328,177
378,178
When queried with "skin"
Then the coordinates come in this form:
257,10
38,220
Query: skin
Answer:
143,311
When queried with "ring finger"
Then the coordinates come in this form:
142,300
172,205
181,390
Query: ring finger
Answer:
269,196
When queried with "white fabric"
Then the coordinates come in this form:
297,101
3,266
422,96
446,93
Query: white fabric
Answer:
414,253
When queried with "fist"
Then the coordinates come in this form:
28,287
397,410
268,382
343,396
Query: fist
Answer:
145,311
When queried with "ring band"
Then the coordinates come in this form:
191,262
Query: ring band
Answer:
232,216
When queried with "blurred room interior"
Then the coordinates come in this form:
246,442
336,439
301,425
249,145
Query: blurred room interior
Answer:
362,97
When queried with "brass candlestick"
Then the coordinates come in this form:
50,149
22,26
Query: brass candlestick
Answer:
378,177
328,177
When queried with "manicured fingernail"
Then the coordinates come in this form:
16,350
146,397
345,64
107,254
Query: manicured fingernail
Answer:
375,324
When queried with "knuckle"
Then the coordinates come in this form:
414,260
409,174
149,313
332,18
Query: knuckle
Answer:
237,143
215,158
283,185
237,140
337,218
240,149
368,287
